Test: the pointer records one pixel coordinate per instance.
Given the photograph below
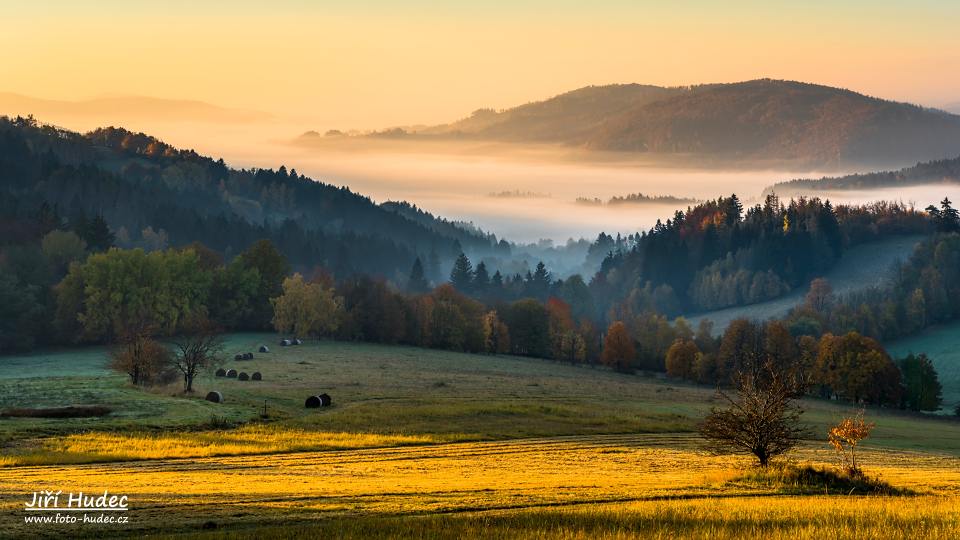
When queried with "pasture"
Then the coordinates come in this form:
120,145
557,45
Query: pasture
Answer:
942,345
863,266
433,444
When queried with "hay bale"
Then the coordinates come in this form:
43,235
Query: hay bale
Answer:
285,343
296,341
243,376
322,400
232,374
256,376
215,397
238,357
248,356
264,349
221,372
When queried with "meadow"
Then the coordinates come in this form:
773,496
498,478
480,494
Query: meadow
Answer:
433,444
862,266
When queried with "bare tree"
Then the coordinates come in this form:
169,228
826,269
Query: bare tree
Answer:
198,348
761,419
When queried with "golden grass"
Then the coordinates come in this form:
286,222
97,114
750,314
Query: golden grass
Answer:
93,447
774,518
615,486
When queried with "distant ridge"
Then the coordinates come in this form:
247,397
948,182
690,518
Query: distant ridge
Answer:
942,171
769,121
124,108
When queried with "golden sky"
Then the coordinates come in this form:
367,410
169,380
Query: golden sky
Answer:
366,64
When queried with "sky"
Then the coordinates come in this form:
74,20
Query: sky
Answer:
366,64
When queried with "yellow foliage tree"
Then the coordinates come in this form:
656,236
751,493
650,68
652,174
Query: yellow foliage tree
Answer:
306,309
845,437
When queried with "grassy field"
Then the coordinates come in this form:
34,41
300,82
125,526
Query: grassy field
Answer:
428,444
942,345
863,266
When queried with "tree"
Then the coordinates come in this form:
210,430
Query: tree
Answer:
922,390
857,368
461,276
846,435
306,309
199,347
496,335
111,291
21,314
761,420
946,218
62,248
481,278
233,294
97,234
417,283
618,351
682,358
820,296
529,324
146,361
272,267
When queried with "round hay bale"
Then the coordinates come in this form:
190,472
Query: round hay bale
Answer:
215,397
285,343
221,372
243,376
297,341
256,376
325,399
232,374
238,357
264,349
248,356
313,402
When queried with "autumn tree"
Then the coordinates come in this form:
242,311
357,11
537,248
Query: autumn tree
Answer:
846,435
857,368
761,419
143,359
198,347
496,335
618,351
682,358
306,309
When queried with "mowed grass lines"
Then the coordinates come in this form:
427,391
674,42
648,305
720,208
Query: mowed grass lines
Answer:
93,447
773,518
555,476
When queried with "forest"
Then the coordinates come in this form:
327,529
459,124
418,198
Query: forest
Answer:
71,271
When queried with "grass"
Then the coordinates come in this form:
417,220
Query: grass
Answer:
91,447
434,444
942,345
810,479
530,486
862,266
772,518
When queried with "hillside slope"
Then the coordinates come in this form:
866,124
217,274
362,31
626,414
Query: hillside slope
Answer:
137,182
942,171
761,120
863,266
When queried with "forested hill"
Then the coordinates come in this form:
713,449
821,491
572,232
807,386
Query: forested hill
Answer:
761,120
152,195
940,171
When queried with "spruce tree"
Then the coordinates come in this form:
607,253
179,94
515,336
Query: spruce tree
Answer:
462,274
418,281
481,278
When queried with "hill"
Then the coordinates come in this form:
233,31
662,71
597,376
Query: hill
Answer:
152,193
943,171
754,121
122,109
865,265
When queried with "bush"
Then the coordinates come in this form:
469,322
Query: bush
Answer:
805,479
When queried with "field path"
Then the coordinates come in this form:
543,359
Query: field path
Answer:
183,493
